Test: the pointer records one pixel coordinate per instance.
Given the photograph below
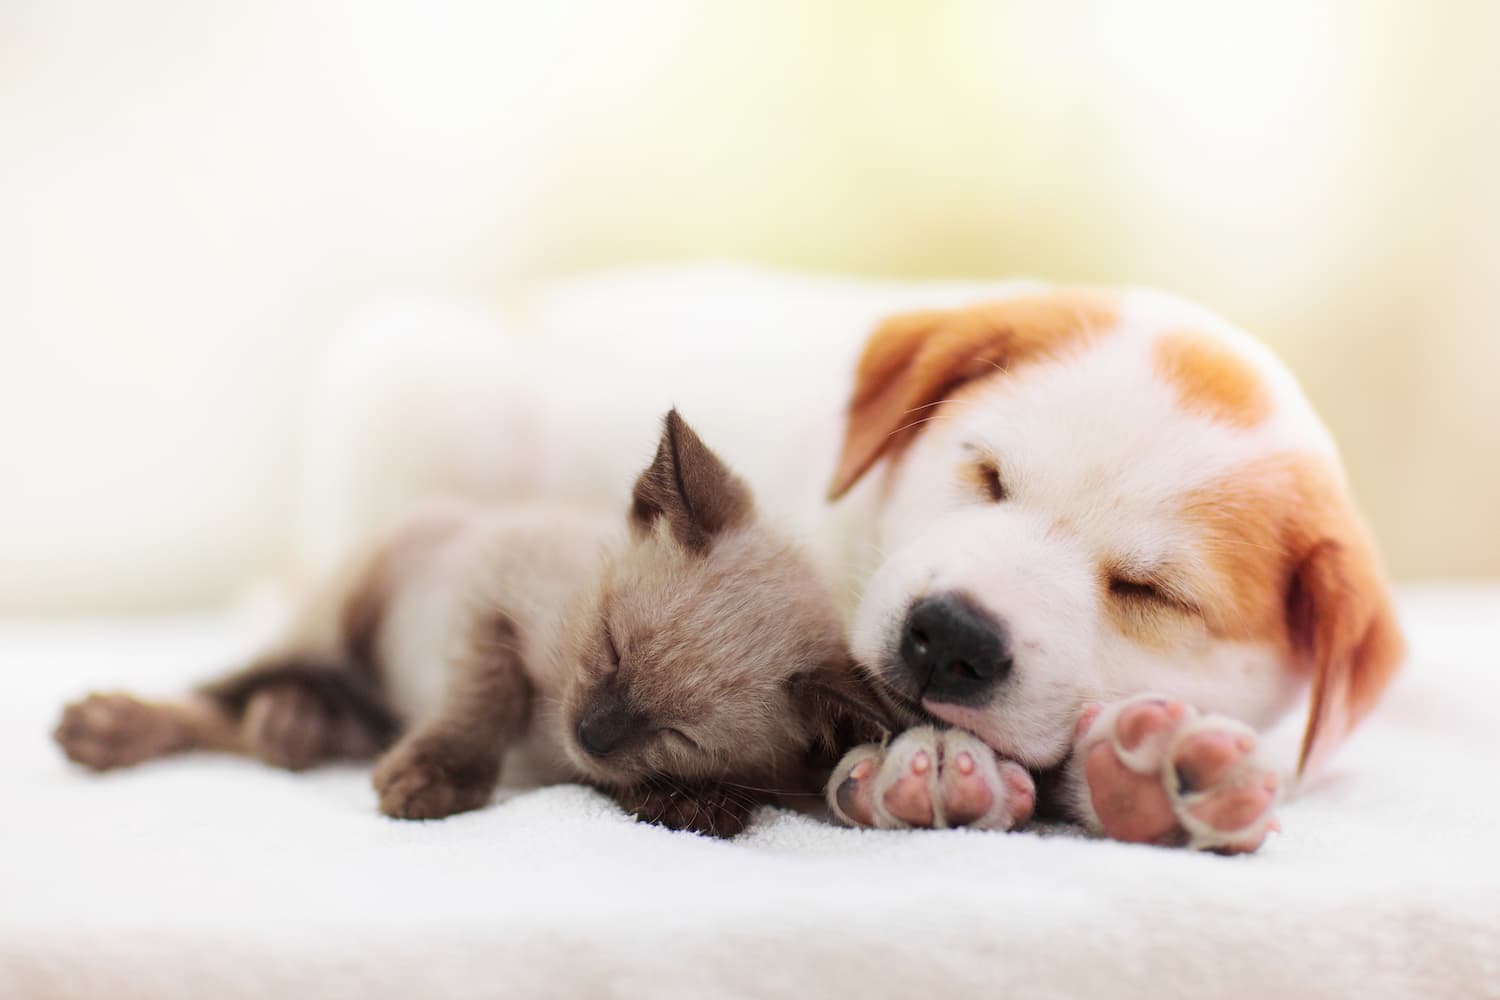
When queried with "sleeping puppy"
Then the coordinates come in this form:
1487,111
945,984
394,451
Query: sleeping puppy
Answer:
1101,534
690,669
1117,542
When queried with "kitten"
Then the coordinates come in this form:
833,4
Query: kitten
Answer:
691,666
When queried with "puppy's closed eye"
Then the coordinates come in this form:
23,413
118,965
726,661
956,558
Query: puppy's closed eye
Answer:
984,476
1146,593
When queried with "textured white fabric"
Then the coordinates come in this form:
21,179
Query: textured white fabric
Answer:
209,877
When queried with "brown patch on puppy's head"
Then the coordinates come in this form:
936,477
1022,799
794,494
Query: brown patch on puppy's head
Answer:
1212,379
715,651
914,361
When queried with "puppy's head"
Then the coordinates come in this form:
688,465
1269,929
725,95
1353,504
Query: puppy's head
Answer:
1087,496
714,649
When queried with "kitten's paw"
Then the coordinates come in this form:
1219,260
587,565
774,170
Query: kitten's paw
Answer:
421,780
287,726
106,731
931,778
713,811
1159,772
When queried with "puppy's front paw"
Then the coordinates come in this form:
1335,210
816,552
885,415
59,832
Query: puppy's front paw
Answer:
428,780
931,778
1159,772
105,731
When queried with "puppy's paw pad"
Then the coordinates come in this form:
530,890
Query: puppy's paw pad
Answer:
851,787
929,778
966,794
1205,757
1131,806
1086,720
1158,772
1143,729
105,731
1020,800
908,798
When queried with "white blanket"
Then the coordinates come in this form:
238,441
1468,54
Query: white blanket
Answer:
209,877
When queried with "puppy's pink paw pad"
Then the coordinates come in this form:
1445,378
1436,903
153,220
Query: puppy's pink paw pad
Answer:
930,778
1237,808
1205,758
1159,772
910,800
1021,789
1086,720
1143,720
966,794
1131,807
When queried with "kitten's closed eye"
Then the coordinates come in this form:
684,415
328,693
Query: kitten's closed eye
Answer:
612,661
682,738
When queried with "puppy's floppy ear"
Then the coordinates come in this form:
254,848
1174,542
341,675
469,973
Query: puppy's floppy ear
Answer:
1343,627
913,361
691,488
842,707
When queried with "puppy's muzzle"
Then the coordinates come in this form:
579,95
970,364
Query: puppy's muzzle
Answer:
954,651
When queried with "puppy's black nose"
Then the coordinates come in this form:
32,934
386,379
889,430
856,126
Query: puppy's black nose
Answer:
954,650
604,728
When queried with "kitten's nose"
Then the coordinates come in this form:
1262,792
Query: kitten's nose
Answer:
605,727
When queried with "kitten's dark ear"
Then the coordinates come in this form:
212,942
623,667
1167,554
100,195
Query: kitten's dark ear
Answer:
691,488
842,708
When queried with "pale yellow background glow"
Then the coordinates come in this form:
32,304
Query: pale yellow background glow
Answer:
195,196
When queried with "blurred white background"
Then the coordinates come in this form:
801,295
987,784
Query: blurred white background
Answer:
195,196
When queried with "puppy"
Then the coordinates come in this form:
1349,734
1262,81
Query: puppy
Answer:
691,669
1098,533
1118,542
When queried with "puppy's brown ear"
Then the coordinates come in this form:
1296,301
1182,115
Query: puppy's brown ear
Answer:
913,362
691,488
842,707
1343,626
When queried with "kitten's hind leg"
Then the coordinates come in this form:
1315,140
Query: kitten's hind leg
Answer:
290,712
109,730
296,712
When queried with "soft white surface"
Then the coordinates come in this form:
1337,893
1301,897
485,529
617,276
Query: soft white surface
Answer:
212,877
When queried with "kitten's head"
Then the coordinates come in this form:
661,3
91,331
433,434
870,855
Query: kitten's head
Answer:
714,650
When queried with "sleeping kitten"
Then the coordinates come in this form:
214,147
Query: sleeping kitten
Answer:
690,667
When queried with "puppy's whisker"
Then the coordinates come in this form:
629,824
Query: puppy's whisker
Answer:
918,423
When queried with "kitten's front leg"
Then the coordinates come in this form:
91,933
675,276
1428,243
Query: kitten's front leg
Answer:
714,809
434,772
450,763
930,778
